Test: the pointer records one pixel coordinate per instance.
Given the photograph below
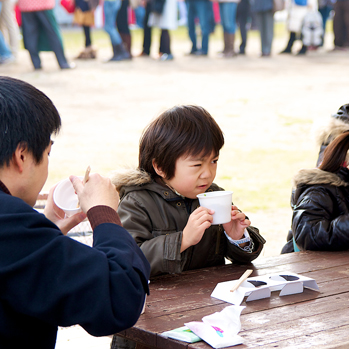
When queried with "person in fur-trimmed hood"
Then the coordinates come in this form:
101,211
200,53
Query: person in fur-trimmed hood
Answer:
320,203
338,124
158,206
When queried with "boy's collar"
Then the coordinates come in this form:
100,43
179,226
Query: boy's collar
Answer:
159,180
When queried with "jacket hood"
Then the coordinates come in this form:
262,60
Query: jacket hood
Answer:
316,176
335,127
129,177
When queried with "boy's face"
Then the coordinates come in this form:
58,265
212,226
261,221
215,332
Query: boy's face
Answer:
193,174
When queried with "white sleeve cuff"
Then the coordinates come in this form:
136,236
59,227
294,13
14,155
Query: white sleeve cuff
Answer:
246,238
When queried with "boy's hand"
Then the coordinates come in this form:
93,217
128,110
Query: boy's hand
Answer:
198,222
236,227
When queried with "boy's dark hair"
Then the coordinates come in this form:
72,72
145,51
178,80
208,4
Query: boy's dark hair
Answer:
181,130
336,153
27,116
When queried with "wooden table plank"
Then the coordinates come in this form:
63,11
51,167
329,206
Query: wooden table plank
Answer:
303,327
330,339
269,317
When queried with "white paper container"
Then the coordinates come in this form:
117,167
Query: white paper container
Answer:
220,202
65,198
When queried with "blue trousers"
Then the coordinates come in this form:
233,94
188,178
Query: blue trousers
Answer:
227,11
200,9
265,22
111,9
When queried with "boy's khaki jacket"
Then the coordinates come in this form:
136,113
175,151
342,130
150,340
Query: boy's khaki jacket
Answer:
155,216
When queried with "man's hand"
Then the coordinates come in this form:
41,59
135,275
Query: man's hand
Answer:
198,222
57,216
96,191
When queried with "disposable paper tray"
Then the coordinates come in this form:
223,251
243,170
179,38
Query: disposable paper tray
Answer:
259,287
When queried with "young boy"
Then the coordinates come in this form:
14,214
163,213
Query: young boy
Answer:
178,157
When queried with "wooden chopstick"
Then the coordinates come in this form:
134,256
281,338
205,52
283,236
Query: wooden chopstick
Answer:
87,174
244,276
86,178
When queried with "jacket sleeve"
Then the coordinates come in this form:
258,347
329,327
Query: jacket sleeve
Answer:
161,248
316,224
60,281
237,255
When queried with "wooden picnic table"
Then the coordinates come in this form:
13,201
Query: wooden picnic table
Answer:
312,319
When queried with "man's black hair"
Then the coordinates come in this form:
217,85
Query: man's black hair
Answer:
27,116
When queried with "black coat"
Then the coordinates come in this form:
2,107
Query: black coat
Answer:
320,204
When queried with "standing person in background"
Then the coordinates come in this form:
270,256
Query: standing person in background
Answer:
164,17
39,25
84,16
325,8
227,10
9,26
5,52
111,9
146,31
139,11
341,25
182,13
201,9
6,56
122,25
297,10
243,13
263,10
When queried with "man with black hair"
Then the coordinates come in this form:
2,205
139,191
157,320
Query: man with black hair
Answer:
47,279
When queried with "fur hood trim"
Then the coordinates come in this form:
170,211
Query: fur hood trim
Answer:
129,177
334,128
317,176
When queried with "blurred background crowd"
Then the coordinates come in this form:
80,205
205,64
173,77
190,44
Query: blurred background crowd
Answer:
36,24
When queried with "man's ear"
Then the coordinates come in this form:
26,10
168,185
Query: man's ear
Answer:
158,170
20,156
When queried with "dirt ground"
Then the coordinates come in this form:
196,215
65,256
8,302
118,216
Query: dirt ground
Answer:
263,106
105,106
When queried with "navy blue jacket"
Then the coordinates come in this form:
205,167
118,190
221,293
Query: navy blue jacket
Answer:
49,280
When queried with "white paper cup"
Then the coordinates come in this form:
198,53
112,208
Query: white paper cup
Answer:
65,198
220,202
